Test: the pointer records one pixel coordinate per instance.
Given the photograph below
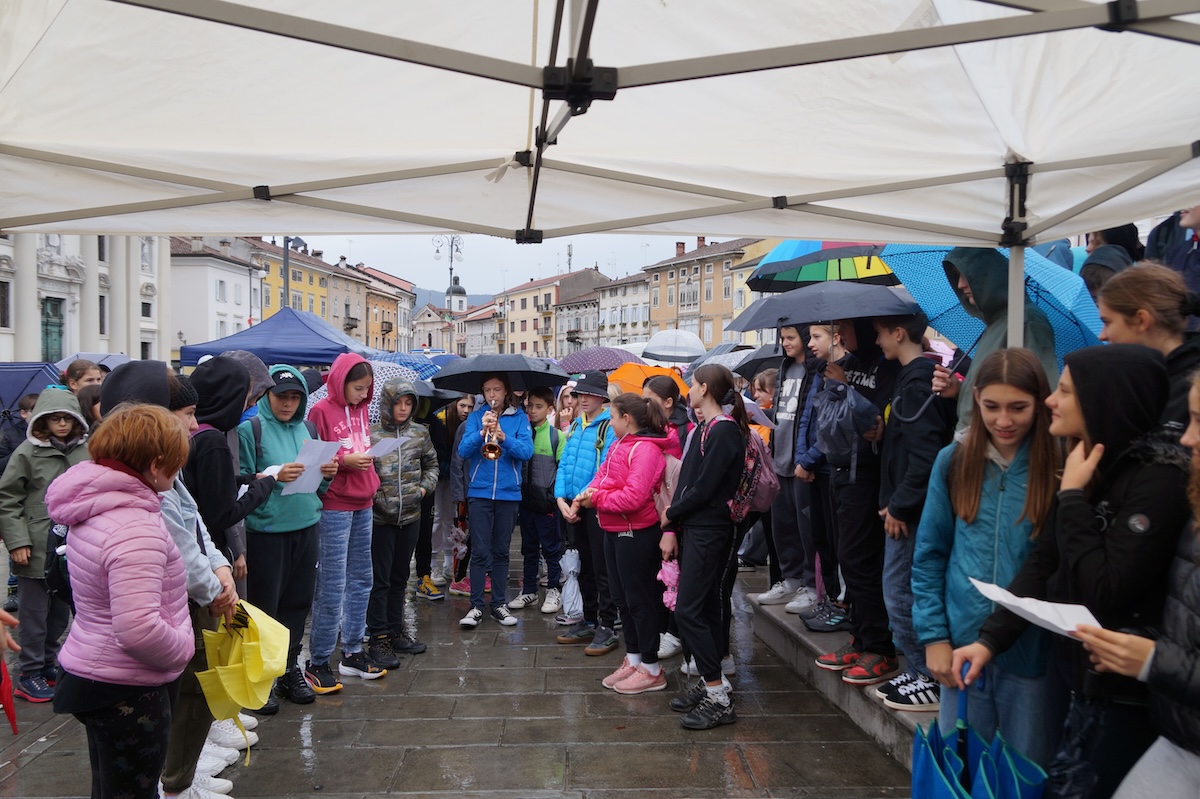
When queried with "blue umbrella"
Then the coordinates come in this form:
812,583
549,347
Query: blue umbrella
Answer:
441,359
421,364
1058,292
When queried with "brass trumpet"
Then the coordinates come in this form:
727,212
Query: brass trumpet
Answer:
491,448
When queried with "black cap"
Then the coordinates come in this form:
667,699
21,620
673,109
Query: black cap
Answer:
286,381
594,383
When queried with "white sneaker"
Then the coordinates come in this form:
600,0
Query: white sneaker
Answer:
472,619
727,667
437,577
523,601
669,646
804,601
223,753
553,603
778,595
225,733
198,792
248,721
212,784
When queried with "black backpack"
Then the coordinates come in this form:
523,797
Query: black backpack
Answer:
58,579
256,431
538,475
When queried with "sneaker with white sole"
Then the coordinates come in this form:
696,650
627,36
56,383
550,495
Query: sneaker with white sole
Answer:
523,601
224,754
669,646
197,791
624,670
213,784
778,595
918,694
567,620
248,721
642,681
502,615
438,577
553,603
727,666
357,664
894,684
803,602
472,619
209,765
225,733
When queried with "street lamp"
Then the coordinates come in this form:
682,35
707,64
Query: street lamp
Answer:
453,244
261,274
289,243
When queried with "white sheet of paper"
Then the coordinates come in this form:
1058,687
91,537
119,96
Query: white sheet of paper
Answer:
1057,617
385,445
313,454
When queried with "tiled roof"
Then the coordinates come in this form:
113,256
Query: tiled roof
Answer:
707,251
591,296
390,279
628,280
546,281
183,246
479,313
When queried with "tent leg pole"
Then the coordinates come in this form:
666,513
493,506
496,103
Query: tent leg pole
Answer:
1016,296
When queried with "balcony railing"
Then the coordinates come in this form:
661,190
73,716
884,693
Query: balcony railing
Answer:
350,323
385,327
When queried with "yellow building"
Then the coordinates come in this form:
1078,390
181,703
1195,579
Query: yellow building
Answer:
526,311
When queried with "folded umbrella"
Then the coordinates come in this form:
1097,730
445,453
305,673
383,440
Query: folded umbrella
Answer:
467,374
825,302
572,598
6,695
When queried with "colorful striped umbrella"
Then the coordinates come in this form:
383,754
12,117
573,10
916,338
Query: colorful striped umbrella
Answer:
794,264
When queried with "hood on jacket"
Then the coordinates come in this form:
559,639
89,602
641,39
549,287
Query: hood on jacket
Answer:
393,390
260,377
1109,256
88,489
264,404
1117,411
52,401
336,383
135,381
223,385
986,271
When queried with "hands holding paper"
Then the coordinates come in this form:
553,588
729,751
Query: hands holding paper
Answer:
1120,653
289,472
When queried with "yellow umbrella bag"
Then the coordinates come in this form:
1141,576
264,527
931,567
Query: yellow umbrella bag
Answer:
244,658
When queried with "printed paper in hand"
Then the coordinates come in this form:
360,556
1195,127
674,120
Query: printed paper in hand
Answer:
1056,617
313,454
385,445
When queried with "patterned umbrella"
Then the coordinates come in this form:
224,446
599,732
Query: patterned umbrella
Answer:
383,373
421,364
604,359
793,264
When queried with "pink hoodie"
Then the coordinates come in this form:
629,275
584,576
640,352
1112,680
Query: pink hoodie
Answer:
336,421
626,482
132,625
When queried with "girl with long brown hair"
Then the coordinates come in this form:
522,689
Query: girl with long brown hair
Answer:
989,498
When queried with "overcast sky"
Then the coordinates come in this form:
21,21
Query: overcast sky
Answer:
490,265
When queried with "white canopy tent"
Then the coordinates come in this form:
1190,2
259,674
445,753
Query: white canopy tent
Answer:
889,120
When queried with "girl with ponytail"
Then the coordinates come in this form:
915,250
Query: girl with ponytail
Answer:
699,514
1149,304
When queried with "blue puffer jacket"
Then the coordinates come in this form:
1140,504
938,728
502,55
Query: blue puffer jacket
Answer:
579,459
499,479
946,607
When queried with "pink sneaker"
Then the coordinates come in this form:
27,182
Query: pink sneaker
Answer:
461,587
487,585
641,681
624,670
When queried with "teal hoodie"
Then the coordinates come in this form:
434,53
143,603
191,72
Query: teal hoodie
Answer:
986,271
281,442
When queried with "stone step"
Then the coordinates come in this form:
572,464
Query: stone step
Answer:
799,647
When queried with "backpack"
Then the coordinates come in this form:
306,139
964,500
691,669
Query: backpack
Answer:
670,479
841,416
757,486
601,433
256,431
537,479
58,580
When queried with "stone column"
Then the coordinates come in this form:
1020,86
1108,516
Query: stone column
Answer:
89,295
27,309
118,294
133,263
162,304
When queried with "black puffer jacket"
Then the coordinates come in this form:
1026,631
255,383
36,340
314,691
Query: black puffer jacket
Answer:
1175,672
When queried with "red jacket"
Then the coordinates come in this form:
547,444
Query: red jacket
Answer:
351,489
626,482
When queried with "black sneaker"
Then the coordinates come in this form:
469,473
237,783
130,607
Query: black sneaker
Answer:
359,665
917,694
10,601
321,678
380,652
829,618
405,644
709,714
272,705
293,687
502,615
50,674
691,697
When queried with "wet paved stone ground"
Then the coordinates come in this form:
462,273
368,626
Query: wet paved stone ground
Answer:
509,713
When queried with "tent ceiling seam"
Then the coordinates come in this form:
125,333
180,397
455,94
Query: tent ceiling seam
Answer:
898,222
440,223
1164,28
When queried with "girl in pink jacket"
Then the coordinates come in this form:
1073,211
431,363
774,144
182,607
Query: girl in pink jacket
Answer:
132,634
622,492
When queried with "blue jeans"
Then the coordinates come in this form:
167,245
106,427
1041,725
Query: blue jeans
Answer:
492,522
540,534
344,580
898,598
1027,711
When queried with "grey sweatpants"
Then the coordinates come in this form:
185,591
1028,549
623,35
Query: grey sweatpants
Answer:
1166,771
44,618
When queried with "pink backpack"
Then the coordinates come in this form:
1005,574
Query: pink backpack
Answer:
758,485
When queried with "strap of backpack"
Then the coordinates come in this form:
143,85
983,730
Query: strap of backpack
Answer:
256,430
601,432
554,442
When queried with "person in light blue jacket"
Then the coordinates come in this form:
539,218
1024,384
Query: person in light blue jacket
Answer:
990,497
493,491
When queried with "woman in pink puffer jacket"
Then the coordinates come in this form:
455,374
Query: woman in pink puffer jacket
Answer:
132,634
622,492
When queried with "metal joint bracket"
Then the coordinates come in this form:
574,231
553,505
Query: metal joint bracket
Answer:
780,202
1196,149
1014,225
579,90
1121,14
528,236
262,193
1013,233
523,157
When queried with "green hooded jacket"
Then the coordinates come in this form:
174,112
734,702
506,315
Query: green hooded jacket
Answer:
986,271
405,471
24,521
281,442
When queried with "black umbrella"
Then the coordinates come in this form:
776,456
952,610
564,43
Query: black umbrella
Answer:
438,397
768,356
524,373
825,302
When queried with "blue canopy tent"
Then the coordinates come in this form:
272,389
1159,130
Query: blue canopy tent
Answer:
288,336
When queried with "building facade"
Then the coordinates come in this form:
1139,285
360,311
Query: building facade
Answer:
526,323
83,294
575,323
477,327
395,299
433,329
624,311
214,294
